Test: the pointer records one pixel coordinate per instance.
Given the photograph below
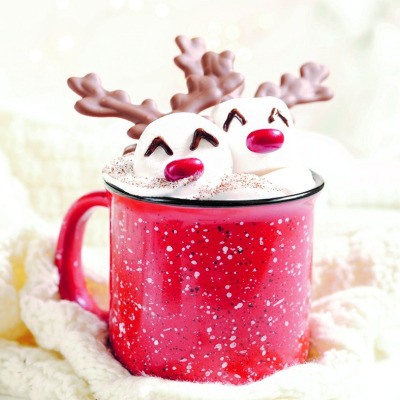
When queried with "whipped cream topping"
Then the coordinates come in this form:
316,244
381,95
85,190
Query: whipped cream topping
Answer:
120,173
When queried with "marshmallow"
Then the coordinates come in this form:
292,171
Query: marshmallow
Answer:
172,160
250,116
177,131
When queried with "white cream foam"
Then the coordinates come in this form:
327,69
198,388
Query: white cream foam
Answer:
120,173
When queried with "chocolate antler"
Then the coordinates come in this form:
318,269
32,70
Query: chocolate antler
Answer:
217,80
210,77
98,102
192,51
306,89
191,62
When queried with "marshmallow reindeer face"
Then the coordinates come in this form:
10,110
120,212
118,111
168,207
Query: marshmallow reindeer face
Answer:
182,145
258,132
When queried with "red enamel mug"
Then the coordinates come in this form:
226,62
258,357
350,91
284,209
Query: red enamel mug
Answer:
202,291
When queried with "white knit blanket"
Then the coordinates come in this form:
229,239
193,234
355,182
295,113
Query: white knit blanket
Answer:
52,349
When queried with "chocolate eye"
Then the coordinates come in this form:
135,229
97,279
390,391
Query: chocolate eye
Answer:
276,113
158,141
202,134
233,114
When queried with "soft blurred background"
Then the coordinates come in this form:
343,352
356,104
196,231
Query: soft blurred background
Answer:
52,154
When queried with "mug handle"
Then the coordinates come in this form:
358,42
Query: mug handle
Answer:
68,258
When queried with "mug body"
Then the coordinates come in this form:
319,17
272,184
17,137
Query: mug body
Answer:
210,291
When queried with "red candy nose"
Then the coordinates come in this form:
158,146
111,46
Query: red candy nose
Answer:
264,140
183,168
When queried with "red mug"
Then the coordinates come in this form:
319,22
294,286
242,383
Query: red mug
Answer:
203,291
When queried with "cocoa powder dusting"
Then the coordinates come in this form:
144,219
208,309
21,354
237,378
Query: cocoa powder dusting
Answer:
229,187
